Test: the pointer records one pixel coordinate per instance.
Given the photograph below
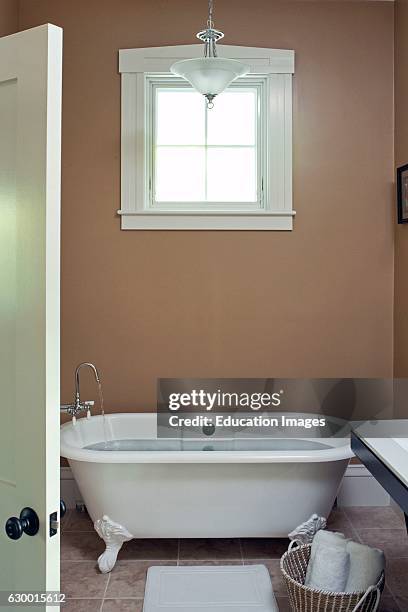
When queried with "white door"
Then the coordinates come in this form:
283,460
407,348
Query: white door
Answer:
30,150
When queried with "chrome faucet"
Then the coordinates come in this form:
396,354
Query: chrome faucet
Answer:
78,406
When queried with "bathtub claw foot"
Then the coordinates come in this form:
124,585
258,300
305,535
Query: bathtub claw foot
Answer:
114,535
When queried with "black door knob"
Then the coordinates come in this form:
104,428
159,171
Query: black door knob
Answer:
63,508
27,523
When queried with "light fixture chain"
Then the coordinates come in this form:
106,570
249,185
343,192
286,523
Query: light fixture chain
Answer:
210,22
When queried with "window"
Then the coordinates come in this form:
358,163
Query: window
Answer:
205,157
187,167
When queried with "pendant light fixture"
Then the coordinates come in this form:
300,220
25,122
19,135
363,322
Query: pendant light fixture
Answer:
210,75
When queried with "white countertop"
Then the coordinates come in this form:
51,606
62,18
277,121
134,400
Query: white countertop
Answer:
392,449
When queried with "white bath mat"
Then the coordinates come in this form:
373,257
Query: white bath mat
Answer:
219,588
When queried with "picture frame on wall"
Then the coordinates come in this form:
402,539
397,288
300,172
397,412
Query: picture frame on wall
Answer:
402,193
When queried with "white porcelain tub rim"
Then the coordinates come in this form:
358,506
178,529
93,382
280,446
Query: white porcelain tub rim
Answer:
143,426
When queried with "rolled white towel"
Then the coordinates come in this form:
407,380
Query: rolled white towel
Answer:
330,570
323,539
366,565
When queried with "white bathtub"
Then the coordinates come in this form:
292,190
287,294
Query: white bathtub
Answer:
197,493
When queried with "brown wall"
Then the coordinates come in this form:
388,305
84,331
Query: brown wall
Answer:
401,157
8,17
313,302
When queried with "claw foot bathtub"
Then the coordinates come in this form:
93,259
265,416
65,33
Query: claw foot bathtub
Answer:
138,486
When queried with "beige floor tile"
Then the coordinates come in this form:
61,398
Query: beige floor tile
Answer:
122,605
128,578
77,521
388,604
402,603
374,517
191,563
210,549
81,546
82,605
283,604
264,548
147,550
65,519
338,521
397,577
394,542
82,579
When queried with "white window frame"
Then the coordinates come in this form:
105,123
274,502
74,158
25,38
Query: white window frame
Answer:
140,69
154,81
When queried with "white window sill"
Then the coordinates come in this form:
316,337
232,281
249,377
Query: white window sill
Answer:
154,220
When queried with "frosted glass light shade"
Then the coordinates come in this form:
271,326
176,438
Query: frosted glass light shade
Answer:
209,75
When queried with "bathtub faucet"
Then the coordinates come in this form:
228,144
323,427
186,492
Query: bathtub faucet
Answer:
78,406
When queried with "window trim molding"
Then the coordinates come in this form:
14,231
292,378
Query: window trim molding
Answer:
159,59
136,66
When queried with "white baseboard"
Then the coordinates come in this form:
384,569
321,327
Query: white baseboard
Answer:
69,490
359,488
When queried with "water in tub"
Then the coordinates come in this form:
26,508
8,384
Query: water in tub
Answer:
261,444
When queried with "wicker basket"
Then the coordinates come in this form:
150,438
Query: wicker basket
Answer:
305,599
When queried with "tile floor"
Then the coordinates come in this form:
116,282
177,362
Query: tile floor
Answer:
122,590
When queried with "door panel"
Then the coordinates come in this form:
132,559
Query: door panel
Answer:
30,128
8,123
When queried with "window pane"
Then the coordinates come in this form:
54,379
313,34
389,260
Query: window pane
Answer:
180,174
231,175
180,117
233,118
